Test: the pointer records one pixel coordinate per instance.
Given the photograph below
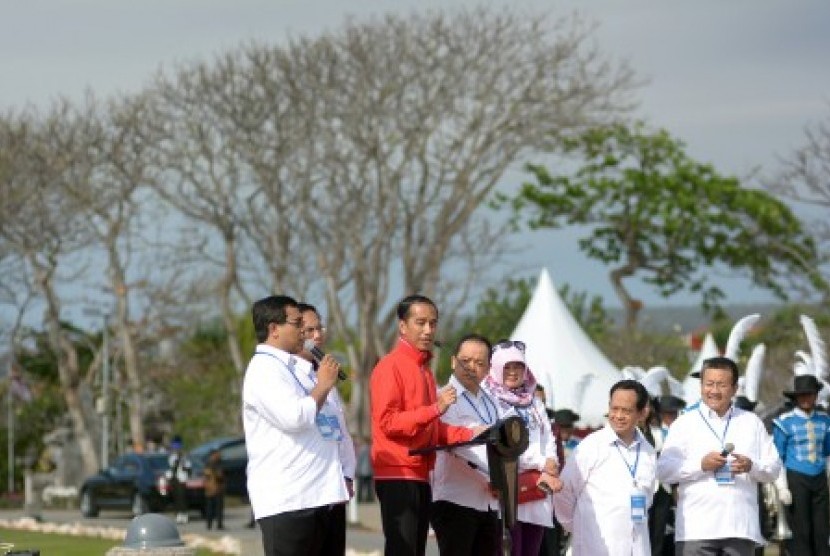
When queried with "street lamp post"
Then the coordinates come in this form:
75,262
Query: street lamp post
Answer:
105,396
10,424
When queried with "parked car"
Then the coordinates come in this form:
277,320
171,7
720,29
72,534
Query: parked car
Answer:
129,483
234,463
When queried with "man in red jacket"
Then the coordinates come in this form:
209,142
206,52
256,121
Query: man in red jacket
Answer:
405,414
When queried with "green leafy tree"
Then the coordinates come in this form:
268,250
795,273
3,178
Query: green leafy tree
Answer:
655,213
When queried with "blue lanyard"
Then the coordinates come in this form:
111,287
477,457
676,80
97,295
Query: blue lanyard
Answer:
726,428
290,370
489,420
631,469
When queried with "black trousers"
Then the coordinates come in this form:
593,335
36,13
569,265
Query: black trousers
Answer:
715,547
404,513
810,514
463,531
659,516
311,531
365,491
215,510
553,540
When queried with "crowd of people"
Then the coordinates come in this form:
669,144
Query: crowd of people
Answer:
658,478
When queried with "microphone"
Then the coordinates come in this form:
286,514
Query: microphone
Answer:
727,449
318,355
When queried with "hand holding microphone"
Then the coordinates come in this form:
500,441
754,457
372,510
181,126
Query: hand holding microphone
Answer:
318,355
715,460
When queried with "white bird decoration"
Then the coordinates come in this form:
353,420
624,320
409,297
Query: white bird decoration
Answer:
653,380
814,362
737,334
754,372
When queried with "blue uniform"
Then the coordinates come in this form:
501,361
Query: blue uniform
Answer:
803,442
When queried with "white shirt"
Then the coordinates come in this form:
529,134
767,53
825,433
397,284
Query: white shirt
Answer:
348,459
541,447
705,509
290,465
595,500
461,475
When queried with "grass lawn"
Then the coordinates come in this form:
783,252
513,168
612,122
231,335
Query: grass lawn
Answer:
63,545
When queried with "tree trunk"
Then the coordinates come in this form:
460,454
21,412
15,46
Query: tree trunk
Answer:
68,372
631,305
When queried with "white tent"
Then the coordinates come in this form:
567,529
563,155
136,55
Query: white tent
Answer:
574,373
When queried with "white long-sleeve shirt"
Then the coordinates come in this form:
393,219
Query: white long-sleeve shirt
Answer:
706,509
595,500
348,459
541,447
291,466
460,476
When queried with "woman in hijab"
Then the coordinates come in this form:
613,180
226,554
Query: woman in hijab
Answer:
512,385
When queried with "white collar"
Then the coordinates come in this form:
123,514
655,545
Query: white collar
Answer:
612,438
801,413
711,414
461,389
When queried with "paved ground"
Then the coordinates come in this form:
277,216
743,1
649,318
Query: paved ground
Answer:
364,534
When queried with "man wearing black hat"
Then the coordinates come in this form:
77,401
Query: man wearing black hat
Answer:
802,437
565,421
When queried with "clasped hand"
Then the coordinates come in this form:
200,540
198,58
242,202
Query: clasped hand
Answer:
714,460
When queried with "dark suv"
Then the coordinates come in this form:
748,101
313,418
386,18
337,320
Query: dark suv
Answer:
129,483
234,463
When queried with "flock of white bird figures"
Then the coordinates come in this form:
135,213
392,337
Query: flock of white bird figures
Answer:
659,381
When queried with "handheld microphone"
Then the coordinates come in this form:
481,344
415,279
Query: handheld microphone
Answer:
727,449
318,355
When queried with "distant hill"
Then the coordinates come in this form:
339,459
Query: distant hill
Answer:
686,318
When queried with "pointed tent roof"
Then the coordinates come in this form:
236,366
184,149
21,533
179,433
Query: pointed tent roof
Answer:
574,373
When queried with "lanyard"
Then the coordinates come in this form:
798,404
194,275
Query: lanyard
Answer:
489,420
631,468
290,370
726,428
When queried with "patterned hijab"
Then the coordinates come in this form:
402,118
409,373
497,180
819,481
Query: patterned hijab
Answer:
518,397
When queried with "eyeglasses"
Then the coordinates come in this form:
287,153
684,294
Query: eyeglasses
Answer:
297,323
311,329
505,344
473,363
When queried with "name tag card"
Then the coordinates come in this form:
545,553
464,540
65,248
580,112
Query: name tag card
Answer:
724,475
638,507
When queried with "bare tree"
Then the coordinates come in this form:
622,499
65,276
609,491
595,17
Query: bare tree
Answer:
204,178
805,179
45,227
402,128
122,170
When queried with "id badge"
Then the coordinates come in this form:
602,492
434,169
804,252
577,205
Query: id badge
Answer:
638,507
334,423
724,475
324,426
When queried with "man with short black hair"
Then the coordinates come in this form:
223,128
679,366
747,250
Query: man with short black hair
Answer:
315,332
465,512
717,454
295,479
406,413
609,480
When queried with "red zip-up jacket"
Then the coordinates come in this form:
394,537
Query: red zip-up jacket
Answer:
405,415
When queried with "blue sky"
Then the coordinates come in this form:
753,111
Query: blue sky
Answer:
737,81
